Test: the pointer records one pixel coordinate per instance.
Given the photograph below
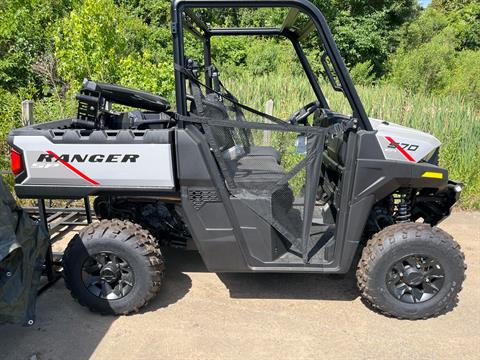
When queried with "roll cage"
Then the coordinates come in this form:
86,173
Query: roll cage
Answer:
185,18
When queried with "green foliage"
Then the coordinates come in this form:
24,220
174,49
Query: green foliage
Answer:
103,41
430,23
440,52
466,25
426,69
451,5
367,30
10,115
363,38
25,34
464,79
258,57
362,73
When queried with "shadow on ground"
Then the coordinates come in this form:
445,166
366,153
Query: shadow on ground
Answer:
62,324
272,286
66,330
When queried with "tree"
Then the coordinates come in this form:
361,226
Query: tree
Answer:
452,5
440,51
367,31
25,35
104,41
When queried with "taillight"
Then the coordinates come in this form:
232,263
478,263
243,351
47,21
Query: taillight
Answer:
17,162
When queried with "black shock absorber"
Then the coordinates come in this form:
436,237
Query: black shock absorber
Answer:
403,206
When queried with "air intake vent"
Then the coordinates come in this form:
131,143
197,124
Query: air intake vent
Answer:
199,197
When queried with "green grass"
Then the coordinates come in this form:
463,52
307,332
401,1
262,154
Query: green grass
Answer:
453,120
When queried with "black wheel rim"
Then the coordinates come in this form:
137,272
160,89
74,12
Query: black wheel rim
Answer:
415,279
107,276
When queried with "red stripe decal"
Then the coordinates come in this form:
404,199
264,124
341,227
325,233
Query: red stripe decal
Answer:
75,170
399,148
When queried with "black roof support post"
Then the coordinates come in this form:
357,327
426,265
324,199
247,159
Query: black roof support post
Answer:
179,59
267,31
189,26
199,22
207,59
308,69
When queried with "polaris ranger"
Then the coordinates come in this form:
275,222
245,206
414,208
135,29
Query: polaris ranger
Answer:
315,193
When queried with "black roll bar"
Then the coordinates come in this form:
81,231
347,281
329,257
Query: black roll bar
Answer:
317,21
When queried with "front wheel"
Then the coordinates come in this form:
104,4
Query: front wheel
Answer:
411,271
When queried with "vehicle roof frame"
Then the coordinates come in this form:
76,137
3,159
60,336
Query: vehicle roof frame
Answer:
184,8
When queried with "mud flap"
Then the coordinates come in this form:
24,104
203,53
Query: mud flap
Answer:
23,246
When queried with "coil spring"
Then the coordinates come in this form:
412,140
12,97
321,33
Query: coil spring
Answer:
403,207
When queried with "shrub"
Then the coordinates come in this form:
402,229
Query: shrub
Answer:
464,79
362,73
425,69
103,41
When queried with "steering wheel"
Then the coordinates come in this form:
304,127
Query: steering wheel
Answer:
300,116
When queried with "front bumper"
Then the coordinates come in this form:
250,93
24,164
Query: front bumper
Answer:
436,205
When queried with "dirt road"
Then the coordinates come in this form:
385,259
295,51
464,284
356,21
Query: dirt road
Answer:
199,315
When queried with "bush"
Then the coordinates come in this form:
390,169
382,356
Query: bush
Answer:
10,117
421,31
425,69
26,29
103,41
363,74
464,79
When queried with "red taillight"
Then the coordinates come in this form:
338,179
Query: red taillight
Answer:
17,163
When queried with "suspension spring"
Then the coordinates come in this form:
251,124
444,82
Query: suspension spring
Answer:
403,207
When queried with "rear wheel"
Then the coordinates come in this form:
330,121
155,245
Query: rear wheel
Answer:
113,267
411,271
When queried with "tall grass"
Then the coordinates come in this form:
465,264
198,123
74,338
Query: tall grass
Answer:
453,120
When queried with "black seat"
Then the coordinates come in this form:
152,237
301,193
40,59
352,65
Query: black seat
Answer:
257,172
211,107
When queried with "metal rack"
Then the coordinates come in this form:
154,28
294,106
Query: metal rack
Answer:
58,220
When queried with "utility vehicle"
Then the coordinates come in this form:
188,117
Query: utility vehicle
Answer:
319,192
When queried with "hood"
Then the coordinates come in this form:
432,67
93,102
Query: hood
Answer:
402,143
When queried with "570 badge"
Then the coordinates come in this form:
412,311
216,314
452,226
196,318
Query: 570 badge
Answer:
405,146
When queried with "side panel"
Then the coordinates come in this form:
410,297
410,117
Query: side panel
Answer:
70,164
104,165
371,180
400,143
206,211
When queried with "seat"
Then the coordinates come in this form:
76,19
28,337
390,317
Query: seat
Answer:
213,108
265,151
258,172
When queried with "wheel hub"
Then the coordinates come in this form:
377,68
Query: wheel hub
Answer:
415,279
107,276
110,273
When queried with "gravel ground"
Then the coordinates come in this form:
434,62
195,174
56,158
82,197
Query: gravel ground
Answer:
200,315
